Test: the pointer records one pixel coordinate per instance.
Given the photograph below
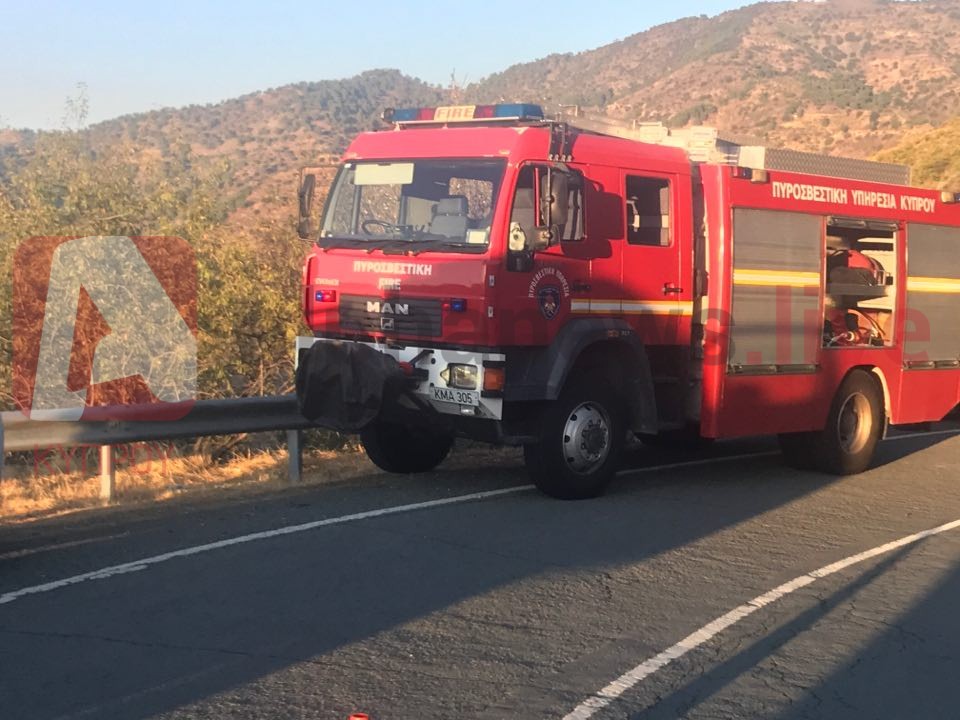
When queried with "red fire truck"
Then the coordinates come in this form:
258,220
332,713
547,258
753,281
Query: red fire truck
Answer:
562,284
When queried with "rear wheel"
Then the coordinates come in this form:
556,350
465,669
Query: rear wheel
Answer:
854,426
581,438
400,449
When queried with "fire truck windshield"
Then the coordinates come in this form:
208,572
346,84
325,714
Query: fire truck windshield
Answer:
413,205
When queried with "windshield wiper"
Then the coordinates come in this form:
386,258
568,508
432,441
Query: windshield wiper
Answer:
337,243
402,245
420,241
433,243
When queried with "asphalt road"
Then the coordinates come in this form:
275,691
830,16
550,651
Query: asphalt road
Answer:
507,605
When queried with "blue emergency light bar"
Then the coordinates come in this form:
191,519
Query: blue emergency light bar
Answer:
464,113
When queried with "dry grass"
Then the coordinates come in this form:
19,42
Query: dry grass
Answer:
40,487
34,488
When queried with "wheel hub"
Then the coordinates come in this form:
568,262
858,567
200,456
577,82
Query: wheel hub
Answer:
586,438
854,423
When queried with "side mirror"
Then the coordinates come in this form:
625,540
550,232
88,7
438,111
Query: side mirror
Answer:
308,184
543,240
559,197
554,206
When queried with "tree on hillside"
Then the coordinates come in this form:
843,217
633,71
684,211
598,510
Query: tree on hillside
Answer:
248,293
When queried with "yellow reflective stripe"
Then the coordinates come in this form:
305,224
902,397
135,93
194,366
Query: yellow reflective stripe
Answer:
633,307
775,278
933,285
596,306
657,307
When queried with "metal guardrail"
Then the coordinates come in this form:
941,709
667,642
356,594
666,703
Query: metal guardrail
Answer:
205,418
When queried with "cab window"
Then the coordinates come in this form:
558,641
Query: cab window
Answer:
526,217
648,211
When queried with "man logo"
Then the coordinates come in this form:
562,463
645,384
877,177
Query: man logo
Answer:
388,308
105,328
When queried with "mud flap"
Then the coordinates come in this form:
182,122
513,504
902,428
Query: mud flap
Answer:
344,385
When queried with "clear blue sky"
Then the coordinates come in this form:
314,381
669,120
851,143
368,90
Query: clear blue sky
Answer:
137,56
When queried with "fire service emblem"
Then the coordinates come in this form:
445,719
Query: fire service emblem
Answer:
549,299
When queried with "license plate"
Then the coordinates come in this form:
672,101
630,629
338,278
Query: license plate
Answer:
458,397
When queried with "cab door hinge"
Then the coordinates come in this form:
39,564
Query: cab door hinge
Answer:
561,142
701,283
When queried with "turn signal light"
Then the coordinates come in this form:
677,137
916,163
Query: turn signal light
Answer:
752,174
494,379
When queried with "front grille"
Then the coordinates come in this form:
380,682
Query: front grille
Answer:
423,317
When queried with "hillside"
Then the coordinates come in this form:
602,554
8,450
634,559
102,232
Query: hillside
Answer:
846,76
266,137
933,155
262,138
850,77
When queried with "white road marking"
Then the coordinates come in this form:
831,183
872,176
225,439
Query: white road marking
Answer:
932,433
632,678
144,563
766,453
704,461
14,554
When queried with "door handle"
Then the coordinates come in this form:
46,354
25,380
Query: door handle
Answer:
577,286
670,288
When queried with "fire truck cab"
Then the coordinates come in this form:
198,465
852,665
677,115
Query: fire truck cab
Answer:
484,272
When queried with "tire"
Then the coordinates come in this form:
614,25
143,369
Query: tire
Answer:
854,426
400,449
581,439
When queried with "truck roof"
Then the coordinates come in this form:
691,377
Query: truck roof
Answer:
521,131
708,145
511,142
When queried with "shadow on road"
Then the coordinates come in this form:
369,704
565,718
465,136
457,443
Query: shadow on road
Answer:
147,643
680,701
909,670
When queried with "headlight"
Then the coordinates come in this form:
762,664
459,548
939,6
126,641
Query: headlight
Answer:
464,377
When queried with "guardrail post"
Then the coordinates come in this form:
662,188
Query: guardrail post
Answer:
107,474
294,456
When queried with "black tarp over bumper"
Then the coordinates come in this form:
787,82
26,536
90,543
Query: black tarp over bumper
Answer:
344,385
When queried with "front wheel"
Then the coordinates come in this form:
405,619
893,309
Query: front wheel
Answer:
581,438
400,449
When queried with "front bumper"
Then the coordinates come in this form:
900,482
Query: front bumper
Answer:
428,363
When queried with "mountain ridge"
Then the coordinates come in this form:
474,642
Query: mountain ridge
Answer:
850,77
808,76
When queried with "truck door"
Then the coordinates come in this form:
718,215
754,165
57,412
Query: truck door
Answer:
539,298
656,291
